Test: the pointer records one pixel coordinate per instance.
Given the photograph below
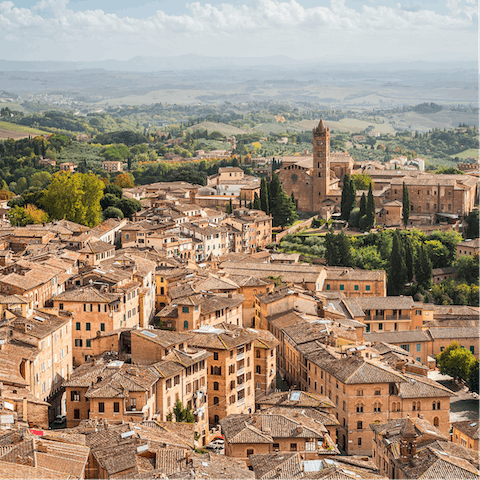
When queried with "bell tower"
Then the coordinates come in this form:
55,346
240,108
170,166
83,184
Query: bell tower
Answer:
321,164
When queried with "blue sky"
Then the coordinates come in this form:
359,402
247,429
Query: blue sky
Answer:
321,30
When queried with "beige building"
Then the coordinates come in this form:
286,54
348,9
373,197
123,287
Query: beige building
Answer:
112,166
466,433
231,370
468,248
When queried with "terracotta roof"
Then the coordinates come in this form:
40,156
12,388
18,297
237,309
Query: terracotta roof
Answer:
276,465
419,386
220,337
403,336
385,303
87,294
468,427
164,338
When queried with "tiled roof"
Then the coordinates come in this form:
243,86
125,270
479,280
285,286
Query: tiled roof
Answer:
342,273
87,294
385,303
419,386
221,337
462,332
407,336
300,399
276,465
164,338
468,427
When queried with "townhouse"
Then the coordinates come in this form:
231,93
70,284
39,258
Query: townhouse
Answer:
231,374
465,433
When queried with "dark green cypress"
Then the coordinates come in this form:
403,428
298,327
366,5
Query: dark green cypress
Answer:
406,205
397,274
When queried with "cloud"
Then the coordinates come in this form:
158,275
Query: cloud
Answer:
238,28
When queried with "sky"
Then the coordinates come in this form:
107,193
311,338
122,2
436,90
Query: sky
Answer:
308,30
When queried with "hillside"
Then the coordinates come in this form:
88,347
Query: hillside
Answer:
12,130
223,128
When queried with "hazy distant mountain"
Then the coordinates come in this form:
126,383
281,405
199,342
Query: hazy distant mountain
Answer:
150,64
198,62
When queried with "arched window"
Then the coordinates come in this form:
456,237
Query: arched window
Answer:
434,405
185,324
377,407
215,385
258,369
359,407
418,406
321,389
216,419
215,401
258,353
436,422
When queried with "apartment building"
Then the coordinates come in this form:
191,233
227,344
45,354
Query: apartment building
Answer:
355,282
465,433
265,348
94,311
231,374
36,353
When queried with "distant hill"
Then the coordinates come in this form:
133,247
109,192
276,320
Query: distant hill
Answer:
223,128
14,131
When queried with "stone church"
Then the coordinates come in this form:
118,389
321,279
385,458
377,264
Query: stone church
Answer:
316,182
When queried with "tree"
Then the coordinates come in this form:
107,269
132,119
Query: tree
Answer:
257,204
124,180
230,207
344,250
472,380
472,224
114,190
264,196
370,213
348,200
363,205
332,254
75,197
423,268
361,181
129,206
109,200
30,214
113,212
468,269
408,247
455,361
406,205
183,414
397,274
40,179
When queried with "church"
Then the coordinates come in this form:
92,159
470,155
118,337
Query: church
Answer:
316,182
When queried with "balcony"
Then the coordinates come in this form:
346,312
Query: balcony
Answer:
240,356
241,371
241,401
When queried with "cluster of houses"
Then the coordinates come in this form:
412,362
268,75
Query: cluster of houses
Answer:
146,340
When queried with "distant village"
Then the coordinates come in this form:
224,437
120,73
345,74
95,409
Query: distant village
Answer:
182,344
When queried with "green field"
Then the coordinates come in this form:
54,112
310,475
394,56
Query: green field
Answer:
13,127
471,152
223,128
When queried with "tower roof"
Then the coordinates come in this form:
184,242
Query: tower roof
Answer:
408,429
321,127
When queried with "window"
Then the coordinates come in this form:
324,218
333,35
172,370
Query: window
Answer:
60,306
215,355
89,344
436,422
377,407
380,326
185,310
76,414
359,425
359,408
102,327
116,407
472,349
355,287
75,396
88,326
185,324
258,369
249,451
367,288
328,286
405,347
368,327
176,380
216,401
419,347
77,326
293,447
215,385
276,446
359,440
359,393
101,407
434,406
78,342
342,287
378,392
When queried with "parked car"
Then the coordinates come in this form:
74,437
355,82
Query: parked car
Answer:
59,419
216,445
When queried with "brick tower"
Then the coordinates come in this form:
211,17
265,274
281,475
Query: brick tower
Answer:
321,165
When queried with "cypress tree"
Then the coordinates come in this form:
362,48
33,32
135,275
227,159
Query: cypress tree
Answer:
370,213
406,205
257,205
397,274
344,250
348,197
264,196
363,205
332,255
293,200
423,268
407,245
230,207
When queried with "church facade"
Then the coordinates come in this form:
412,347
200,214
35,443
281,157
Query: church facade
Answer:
316,182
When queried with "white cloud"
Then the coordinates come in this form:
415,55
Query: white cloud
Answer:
262,27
